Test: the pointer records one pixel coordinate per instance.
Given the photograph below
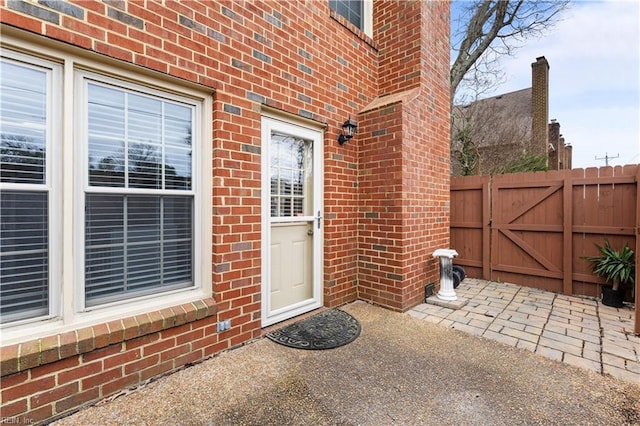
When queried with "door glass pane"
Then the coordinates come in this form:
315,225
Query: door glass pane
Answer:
291,173
23,121
24,255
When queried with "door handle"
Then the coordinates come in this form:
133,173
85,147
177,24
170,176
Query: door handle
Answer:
309,232
318,218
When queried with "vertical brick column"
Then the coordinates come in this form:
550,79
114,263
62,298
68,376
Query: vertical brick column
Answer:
555,156
428,166
237,217
540,106
404,166
381,230
398,28
568,157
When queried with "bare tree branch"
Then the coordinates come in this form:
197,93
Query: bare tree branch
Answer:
492,28
486,141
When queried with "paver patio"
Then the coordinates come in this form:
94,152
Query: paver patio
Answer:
576,330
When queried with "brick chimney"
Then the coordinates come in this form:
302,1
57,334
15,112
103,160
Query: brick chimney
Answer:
540,105
568,156
556,148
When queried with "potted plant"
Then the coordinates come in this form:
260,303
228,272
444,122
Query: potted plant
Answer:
617,267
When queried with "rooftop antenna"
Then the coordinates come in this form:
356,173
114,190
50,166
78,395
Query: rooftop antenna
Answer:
606,158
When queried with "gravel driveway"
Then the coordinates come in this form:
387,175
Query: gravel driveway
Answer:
400,370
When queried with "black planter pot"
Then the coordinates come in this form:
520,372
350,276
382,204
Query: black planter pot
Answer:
611,297
458,275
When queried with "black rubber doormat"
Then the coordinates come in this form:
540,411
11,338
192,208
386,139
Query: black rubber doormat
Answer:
327,330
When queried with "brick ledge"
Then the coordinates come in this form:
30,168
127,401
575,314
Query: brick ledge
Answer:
394,98
34,353
351,27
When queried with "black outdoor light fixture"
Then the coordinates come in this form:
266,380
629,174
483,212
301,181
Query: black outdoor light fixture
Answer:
348,129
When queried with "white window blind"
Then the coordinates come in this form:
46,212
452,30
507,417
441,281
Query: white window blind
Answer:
97,186
139,200
290,172
24,190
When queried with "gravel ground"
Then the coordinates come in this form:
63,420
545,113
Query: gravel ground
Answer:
399,371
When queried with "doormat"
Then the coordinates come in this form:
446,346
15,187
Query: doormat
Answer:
326,330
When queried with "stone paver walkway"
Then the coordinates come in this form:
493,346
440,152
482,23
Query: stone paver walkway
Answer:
576,330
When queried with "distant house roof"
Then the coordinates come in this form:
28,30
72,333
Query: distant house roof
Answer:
491,133
499,120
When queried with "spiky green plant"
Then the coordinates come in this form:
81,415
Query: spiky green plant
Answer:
616,266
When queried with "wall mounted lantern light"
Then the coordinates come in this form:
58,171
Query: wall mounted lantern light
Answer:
348,129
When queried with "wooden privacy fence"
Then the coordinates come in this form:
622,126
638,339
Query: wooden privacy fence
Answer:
534,229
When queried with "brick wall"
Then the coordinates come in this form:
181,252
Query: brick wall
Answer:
298,57
398,26
431,159
555,159
404,163
560,156
568,157
56,374
381,225
540,106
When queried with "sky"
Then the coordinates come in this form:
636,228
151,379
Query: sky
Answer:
594,79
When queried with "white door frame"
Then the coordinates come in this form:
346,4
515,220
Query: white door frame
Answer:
315,134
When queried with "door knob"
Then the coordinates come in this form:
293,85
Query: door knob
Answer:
309,232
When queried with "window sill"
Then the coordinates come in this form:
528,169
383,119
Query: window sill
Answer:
34,353
355,30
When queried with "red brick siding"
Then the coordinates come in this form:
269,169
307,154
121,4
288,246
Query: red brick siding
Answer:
428,151
397,27
88,367
303,59
540,106
381,223
404,160
39,392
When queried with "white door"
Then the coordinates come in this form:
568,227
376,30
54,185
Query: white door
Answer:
292,220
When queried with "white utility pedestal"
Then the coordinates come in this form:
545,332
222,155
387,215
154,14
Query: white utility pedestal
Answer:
446,274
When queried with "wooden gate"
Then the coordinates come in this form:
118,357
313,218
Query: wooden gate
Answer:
469,219
528,229
535,229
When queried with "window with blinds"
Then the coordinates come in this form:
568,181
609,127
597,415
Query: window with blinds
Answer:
351,10
24,190
130,191
139,197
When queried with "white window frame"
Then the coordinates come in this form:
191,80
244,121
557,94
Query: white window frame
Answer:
367,17
52,180
68,170
83,79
